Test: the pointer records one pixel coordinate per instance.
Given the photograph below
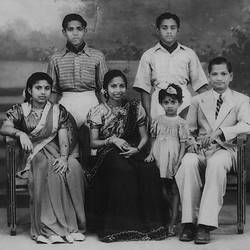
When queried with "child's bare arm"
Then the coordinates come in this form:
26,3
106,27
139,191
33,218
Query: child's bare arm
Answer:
182,152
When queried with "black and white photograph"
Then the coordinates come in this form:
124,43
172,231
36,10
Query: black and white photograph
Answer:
124,124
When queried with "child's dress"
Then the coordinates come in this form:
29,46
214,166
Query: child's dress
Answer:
168,132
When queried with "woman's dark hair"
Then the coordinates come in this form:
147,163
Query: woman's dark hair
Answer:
73,17
110,75
167,15
35,77
163,93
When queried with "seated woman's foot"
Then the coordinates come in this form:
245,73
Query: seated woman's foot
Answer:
172,231
78,236
55,239
69,238
42,240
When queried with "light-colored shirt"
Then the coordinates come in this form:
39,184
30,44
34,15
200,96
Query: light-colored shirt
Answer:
158,67
77,72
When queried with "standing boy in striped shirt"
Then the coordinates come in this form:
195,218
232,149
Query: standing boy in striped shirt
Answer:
77,71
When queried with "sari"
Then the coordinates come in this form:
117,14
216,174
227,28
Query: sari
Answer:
124,198
56,199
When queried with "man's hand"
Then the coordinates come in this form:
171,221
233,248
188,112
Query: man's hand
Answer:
193,148
206,140
215,135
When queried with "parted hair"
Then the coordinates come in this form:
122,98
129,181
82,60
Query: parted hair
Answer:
73,17
35,77
163,93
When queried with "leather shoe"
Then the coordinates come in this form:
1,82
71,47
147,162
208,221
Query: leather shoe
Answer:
188,232
202,236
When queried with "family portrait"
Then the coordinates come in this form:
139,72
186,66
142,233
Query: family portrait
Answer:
124,124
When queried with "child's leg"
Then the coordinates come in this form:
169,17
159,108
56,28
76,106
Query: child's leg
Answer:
174,207
175,202
166,200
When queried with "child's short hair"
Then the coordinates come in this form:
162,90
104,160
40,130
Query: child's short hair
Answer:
167,15
173,90
73,17
220,60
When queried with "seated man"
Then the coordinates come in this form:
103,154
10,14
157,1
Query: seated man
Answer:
215,118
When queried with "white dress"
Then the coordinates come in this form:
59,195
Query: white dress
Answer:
168,132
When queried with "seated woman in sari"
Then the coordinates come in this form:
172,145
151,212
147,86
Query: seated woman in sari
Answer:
56,180
125,196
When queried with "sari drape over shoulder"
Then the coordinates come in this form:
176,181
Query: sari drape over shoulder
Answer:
56,200
124,200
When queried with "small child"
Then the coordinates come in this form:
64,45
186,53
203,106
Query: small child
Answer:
169,133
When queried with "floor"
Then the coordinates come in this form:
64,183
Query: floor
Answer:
224,238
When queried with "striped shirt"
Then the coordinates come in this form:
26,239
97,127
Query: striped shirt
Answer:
77,72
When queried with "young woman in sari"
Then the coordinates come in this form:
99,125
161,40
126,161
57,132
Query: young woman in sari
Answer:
125,196
56,181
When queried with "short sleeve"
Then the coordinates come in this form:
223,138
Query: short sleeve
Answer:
197,75
63,117
51,70
94,117
143,75
183,131
154,128
141,116
14,114
102,70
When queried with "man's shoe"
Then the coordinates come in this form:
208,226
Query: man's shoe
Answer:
203,235
188,232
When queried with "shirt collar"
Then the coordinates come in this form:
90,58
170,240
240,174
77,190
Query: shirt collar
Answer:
159,46
171,48
84,49
216,95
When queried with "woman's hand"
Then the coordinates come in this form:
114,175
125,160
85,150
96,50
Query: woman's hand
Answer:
149,158
61,164
26,143
120,143
129,151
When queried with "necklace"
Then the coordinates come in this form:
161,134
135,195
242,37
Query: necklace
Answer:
117,110
37,112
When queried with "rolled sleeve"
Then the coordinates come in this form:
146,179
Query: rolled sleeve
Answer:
243,124
51,71
102,70
197,75
143,75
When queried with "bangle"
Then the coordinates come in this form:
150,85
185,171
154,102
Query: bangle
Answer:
17,133
64,156
107,141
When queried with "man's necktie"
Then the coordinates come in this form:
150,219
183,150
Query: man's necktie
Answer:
218,105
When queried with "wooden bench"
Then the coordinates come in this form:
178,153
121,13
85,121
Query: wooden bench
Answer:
16,186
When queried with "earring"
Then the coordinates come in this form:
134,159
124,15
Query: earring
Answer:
105,93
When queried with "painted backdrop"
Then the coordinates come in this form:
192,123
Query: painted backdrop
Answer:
30,30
